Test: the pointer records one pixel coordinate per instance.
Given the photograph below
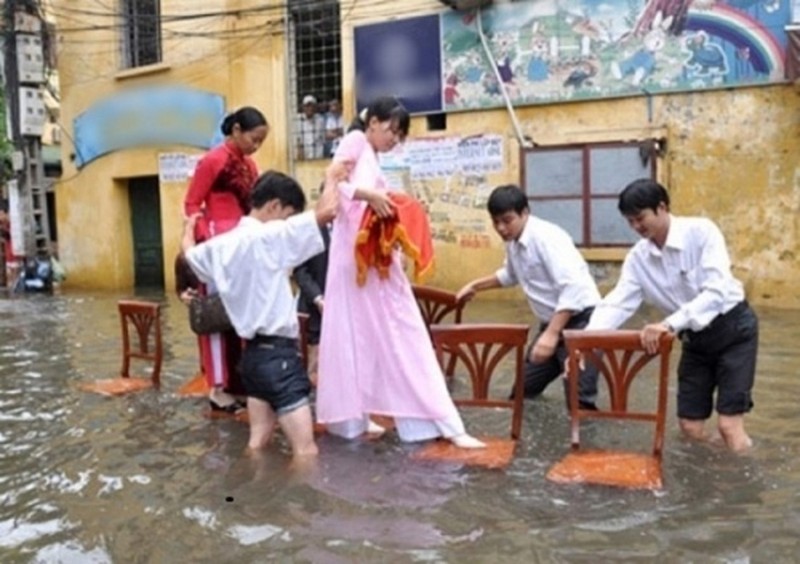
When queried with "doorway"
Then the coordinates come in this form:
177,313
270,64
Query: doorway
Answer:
148,250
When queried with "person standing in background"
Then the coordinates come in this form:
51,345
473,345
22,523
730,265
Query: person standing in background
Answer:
310,277
310,131
220,192
334,127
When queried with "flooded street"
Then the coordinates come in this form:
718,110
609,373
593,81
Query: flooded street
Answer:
147,478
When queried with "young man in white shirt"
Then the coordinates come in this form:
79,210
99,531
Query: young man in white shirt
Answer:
542,258
250,266
681,266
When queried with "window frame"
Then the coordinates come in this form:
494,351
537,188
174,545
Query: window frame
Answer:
587,197
133,54
312,56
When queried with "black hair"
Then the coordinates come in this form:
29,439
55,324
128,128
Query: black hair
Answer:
641,195
273,184
247,118
4,205
506,198
384,108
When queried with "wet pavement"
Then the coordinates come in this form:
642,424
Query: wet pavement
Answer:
147,478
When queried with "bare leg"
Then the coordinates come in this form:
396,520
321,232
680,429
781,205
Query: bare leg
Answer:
299,429
313,363
731,427
694,429
262,423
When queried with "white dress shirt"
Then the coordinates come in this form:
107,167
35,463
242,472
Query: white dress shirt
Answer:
250,266
689,279
546,264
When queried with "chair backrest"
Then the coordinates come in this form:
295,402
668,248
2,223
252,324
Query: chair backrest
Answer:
480,348
619,358
145,317
436,304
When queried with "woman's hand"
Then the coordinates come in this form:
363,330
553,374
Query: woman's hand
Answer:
188,295
381,203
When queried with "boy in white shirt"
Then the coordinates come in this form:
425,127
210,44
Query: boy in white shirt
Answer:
250,266
681,266
542,258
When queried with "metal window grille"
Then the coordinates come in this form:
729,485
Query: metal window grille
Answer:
142,32
315,69
577,187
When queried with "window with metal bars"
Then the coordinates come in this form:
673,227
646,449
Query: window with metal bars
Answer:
316,77
577,187
142,32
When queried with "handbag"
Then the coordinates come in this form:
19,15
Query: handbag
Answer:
207,315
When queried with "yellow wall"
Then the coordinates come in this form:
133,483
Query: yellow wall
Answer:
95,238
732,155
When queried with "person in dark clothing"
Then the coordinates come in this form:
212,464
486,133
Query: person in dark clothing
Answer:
310,278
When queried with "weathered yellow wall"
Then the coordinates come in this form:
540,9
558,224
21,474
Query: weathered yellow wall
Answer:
732,155
95,238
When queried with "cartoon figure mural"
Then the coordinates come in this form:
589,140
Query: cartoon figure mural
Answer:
706,58
549,50
538,65
642,63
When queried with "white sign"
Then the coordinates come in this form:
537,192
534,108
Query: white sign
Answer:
176,167
32,113
16,218
444,156
30,58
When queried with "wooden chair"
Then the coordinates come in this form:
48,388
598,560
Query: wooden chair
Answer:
436,305
620,358
480,348
145,318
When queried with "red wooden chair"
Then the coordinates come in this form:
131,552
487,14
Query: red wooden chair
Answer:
480,348
437,305
620,358
145,318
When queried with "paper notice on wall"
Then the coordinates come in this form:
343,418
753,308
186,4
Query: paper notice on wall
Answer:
432,158
481,155
445,156
176,167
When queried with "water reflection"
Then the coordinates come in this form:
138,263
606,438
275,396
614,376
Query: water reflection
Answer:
146,478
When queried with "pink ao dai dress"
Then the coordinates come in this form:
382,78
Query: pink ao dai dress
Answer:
375,354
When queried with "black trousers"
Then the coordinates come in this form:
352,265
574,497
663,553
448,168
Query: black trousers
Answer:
539,375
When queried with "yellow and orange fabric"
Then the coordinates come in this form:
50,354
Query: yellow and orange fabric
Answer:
408,229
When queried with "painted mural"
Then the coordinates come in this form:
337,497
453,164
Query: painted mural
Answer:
553,50
557,50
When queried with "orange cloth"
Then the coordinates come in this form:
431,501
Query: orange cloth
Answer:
408,228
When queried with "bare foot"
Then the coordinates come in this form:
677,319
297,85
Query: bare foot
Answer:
374,429
742,444
467,441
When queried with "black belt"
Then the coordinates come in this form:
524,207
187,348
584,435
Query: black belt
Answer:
274,340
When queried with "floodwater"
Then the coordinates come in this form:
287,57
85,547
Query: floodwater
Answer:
146,478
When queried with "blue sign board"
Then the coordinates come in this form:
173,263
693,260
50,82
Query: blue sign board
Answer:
168,115
400,58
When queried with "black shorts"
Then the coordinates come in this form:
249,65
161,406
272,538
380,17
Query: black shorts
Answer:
272,370
721,357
